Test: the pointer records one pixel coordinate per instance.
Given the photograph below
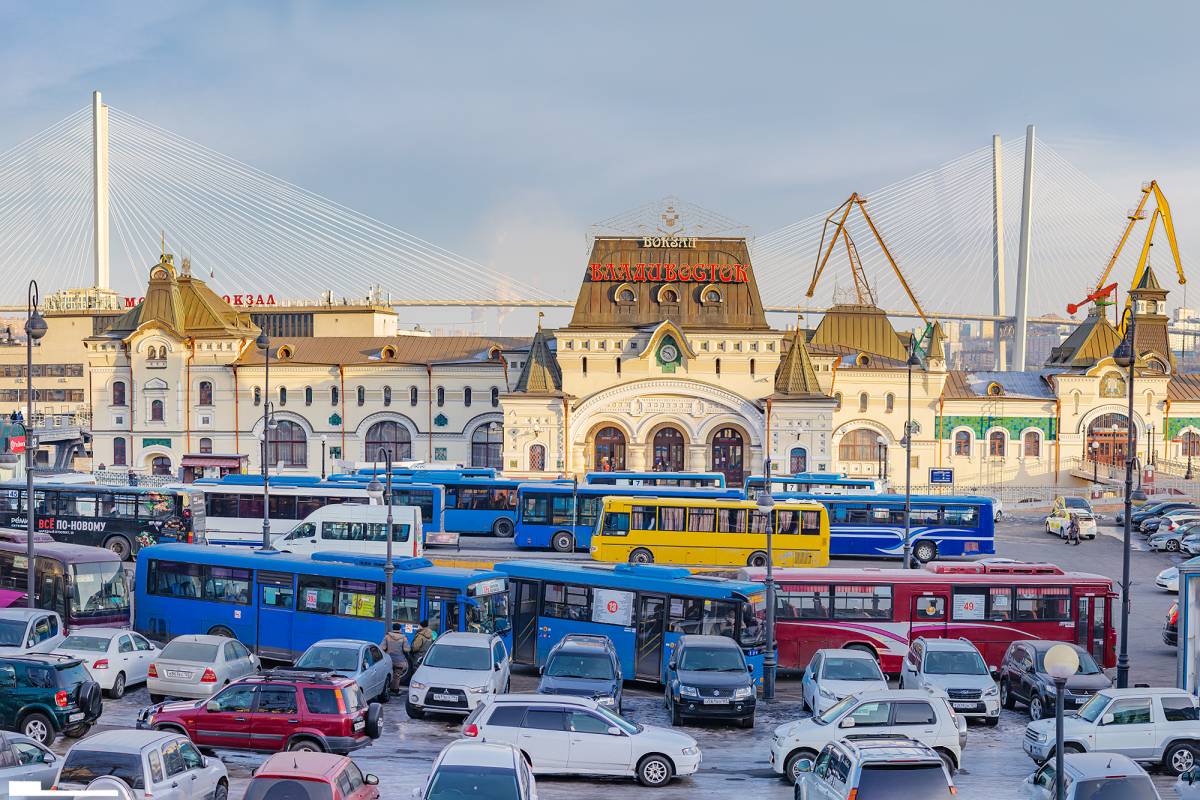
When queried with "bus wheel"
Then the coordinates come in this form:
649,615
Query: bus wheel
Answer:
925,552
562,542
119,545
503,528
221,630
641,556
757,559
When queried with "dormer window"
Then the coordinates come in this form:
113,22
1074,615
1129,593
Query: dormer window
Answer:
668,295
710,295
625,294
994,389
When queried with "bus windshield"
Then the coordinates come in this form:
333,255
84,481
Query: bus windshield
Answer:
489,614
754,621
98,588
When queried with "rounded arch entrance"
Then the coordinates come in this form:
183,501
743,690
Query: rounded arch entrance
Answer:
607,445
729,452
668,445
1108,438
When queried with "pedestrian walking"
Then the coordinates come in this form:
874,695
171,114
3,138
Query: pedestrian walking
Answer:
396,645
1073,531
421,641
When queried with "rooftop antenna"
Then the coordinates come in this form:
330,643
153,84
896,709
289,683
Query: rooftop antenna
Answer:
540,315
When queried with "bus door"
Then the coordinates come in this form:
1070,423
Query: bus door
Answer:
928,616
651,631
525,621
276,611
441,609
1092,624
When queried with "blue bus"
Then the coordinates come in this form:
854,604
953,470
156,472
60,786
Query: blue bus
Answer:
547,518
939,525
693,479
643,609
824,483
278,604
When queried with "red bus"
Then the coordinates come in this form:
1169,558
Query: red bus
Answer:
883,610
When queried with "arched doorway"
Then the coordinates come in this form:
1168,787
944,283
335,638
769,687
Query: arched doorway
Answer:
728,455
487,446
609,450
1108,439
667,455
392,437
798,460
160,465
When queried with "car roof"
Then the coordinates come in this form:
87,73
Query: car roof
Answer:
898,694
465,639
553,699
585,641
1085,765
843,652
89,631
949,644
478,754
45,659
200,638
22,613
693,639
1041,645
891,749
125,741
310,765
339,643
1153,691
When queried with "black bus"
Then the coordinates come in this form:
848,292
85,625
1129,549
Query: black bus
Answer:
122,518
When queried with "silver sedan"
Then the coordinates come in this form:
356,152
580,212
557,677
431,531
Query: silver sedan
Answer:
198,666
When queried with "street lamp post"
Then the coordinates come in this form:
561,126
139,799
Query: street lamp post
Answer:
766,504
263,343
913,361
1126,358
324,444
1095,462
378,492
35,329
1061,662
881,455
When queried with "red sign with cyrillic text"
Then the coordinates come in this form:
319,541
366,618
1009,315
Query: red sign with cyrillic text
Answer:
668,273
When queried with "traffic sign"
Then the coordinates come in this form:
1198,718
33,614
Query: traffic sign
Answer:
942,475
16,444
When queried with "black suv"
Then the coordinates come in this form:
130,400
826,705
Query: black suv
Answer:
1023,678
584,665
708,677
42,695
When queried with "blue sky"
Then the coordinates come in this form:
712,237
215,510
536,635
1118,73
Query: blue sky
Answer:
490,128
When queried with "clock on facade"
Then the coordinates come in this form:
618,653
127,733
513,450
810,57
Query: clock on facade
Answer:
668,353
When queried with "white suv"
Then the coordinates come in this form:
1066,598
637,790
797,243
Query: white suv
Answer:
920,714
956,667
458,671
563,735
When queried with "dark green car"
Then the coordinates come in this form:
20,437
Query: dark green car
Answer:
43,695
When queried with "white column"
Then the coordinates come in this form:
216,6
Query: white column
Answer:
1020,334
100,190
999,307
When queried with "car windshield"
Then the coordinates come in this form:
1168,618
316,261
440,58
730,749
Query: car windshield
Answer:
98,589
92,644
851,669
954,662
1129,787
834,711
454,656
712,659
288,789
1076,502
580,665
460,782
1087,664
12,632
910,781
84,766
190,651
344,659
1093,708
618,721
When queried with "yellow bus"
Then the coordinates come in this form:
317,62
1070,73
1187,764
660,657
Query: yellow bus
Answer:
675,530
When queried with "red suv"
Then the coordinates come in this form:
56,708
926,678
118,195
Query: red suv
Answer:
312,776
273,711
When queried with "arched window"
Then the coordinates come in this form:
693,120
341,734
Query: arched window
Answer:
441,397
387,396
391,436
118,393
837,401
962,443
889,402
206,393
289,445
495,397
997,444
609,449
798,460
160,465
361,395
752,366
487,443
412,395
859,445
119,455
1191,444
205,445
1033,444
668,450
862,402
333,395
257,396
308,395
282,396
537,458
467,396
156,410
584,362
151,354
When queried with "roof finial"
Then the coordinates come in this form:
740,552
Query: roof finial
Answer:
540,315
163,234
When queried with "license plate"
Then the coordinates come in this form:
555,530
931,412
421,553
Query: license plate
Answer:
75,717
360,724
449,698
963,706
174,673
716,701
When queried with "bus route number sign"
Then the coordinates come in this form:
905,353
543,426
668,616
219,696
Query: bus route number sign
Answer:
941,475
612,607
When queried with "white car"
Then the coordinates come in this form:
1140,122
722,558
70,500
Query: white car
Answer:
479,769
1168,579
564,735
833,674
164,765
920,714
458,671
1059,523
116,658
955,667
30,630
1092,775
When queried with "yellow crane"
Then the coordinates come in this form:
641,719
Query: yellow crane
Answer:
840,232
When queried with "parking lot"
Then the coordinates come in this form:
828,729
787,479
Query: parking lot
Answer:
735,761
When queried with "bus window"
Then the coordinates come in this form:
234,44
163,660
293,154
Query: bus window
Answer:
227,585
250,506
536,508
562,510
157,505
616,523
277,591
567,602
644,518
358,598
787,522
406,604
851,514
862,602
702,520
810,522
78,505
803,601
306,505
173,579
1044,603
924,515
221,505
589,509
707,617
731,520
283,506
11,501
316,594
754,621
961,516
671,518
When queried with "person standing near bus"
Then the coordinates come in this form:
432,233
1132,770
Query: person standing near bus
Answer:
395,644
422,639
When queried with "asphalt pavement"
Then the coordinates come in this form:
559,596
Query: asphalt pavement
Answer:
736,761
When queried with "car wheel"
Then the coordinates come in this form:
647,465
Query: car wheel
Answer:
1179,758
676,718
413,711
118,688
1036,709
562,542
119,545
305,746
1172,545
641,556
757,559
39,728
221,792
925,552
998,517
746,722
654,770
1006,698
790,773
503,528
